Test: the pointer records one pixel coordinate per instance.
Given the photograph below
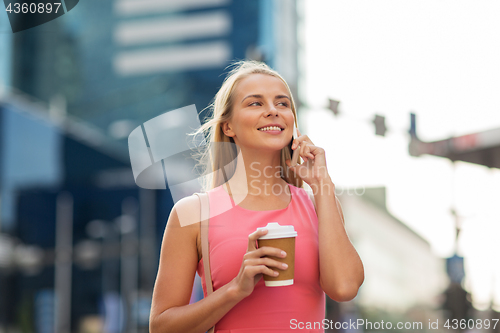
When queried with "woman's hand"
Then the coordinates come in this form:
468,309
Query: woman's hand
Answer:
255,264
313,169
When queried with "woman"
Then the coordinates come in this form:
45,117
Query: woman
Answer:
262,187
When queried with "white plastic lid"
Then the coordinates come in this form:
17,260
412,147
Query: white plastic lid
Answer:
278,231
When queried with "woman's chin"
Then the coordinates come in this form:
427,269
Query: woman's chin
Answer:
264,146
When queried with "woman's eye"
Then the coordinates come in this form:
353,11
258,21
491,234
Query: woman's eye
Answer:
254,103
285,104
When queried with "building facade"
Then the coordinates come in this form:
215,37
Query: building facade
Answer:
118,63
76,87
404,277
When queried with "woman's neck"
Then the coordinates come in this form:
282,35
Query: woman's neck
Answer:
256,173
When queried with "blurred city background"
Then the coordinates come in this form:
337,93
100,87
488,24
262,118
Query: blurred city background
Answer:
402,96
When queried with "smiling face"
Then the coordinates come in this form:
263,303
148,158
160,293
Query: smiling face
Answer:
259,101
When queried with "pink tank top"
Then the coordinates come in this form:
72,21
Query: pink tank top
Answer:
267,309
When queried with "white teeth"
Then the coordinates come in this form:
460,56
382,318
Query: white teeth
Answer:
270,128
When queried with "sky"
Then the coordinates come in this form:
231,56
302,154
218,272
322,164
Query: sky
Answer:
438,59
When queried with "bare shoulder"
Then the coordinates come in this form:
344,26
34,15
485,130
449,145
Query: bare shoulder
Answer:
188,210
183,227
186,215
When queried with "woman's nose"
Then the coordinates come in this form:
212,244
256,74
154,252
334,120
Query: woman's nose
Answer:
271,110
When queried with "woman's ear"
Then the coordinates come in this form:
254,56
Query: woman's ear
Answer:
226,129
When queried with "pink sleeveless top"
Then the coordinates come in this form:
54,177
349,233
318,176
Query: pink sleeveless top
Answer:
267,309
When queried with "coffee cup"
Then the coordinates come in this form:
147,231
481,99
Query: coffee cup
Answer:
283,238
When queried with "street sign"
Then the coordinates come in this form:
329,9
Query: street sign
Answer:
455,268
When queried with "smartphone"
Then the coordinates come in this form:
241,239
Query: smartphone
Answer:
295,156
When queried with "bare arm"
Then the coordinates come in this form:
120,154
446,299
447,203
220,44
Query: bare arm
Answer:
341,269
170,310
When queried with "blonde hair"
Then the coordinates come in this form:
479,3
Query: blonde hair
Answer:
218,161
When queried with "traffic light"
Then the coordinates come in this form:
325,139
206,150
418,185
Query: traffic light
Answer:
413,126
334,106
379,122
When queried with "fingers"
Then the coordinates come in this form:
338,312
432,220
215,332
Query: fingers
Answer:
252,238
295,157
265,251
303,137
305,151
254,252
305,147
252,271
268,262
300,140
256,262
261,261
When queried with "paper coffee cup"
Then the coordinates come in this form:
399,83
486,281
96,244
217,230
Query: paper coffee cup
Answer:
283,238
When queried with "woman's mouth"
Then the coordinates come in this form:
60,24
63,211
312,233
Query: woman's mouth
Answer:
271,129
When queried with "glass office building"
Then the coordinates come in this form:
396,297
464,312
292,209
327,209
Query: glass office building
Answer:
114,64
5,52
119,63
